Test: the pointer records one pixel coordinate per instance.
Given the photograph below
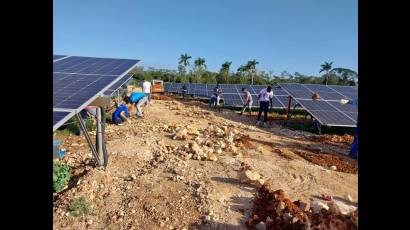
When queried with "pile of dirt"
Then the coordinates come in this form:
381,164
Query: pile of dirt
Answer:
246,142
272,210
346,139
329,160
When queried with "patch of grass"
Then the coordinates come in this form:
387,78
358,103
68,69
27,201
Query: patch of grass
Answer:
73,127
79,207
61,175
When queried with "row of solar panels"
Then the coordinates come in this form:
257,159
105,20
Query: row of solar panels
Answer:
328,111
231,93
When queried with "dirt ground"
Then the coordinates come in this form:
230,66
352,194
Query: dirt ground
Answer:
153,181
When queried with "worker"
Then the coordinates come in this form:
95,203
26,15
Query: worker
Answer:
147,89
265,99
138,99
183,91
217,92
354,149
122,114
215,97
248,101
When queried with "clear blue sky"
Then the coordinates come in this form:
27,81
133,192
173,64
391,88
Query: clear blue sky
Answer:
292,35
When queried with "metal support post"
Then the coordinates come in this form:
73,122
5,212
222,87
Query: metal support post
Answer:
87,136
99,137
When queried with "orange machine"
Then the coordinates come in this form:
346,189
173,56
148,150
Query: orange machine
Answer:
158,86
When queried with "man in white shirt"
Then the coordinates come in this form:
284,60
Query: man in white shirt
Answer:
265,98
146,88
248,101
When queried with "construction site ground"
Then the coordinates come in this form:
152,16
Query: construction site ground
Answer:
153,181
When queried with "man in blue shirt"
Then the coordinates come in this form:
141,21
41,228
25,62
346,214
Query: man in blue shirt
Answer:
122,114
138,98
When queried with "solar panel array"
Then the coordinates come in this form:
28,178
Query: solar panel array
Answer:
231,93
328,110
77,81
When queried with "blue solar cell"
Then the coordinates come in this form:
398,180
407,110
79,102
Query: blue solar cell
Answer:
279,92
257,88
330,96
352,96
228,90
317,105
293,86
302,94
333,118
58,116
352,115
285,100
87,65
72,90
344,108
232,100
123,81
318,88
167,86
343,89
200,93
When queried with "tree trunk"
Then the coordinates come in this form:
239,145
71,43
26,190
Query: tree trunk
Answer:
327,77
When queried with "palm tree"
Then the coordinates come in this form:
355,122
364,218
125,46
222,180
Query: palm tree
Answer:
183,63
224,72
327,66
183,60
200,62
251,68
226,65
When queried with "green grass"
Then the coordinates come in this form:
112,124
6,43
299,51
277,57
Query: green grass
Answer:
61,175
79,207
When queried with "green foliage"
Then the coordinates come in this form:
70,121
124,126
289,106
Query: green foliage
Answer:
244,74
61,175
79,207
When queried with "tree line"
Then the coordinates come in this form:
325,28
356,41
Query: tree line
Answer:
245,74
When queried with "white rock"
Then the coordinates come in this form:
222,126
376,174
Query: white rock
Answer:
318,205
333,167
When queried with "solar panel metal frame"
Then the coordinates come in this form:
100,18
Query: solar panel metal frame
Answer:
100,93
70,114
112,90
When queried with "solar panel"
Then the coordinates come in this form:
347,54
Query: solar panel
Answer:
344,108
318,88
89,65
257,88
328,110
228,90
167,86
285,100
232,100
200,93
332,118
343,89
60,117
77,81
123,81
